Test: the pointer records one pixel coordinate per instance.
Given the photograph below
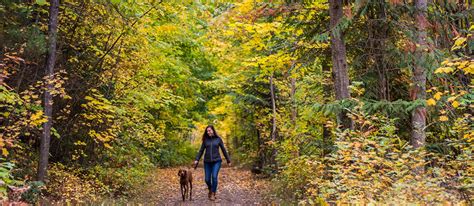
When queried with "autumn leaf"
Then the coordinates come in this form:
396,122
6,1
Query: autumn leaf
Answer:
455,104
469,69
443,118
445,70
38,118
431,102
106,145
438,95
4,152
469,137
459,41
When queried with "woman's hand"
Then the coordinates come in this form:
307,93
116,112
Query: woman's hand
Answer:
229,164
195,163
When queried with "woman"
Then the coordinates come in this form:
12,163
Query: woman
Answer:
212,159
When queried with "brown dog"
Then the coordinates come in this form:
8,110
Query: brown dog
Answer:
186,182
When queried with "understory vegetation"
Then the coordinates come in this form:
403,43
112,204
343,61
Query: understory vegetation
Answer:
334,101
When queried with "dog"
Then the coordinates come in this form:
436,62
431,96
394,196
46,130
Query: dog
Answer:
186,183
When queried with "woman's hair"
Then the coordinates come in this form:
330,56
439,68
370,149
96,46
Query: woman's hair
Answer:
205,135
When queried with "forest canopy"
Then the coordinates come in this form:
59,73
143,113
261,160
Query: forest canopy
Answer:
335,101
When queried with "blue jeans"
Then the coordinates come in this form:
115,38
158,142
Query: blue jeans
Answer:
211,170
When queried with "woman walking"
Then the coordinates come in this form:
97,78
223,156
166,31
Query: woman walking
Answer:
211,142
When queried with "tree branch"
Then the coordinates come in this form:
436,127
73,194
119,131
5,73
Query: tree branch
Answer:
101,60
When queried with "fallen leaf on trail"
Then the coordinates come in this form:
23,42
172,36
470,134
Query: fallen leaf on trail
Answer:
236,187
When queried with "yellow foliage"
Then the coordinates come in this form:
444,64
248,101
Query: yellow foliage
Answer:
4,152
438,95
469,137
469,69
463,64
443,118
38,118
450,99
431,102
455,104
446,70
466,65
459,41
65,185
106,145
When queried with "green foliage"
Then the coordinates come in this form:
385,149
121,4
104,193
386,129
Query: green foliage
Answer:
33,194
6,177
372,164
139,80
174,151
135,73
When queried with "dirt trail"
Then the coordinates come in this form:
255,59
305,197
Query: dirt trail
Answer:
236,187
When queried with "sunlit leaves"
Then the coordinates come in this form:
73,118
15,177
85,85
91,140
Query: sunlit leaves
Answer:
183,66
431,102
455,104
438,95
5,152
22,113
469,69
459,43
446,70
41,2
443,118
100,117
115,1
38,118
451,66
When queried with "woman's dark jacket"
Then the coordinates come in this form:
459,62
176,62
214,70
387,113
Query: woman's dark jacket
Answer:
212,144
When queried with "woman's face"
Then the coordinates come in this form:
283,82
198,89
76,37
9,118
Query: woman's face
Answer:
209,131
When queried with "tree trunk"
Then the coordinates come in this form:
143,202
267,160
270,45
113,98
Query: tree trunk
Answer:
338,50
272,94
294,111
260,153
419,77
377,31
327,96
48,102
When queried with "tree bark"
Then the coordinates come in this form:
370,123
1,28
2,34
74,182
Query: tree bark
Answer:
294,111
48,102
327,95
419,77
338,50
272,94
377,30
260,153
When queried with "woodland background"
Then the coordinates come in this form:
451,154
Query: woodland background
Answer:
345,101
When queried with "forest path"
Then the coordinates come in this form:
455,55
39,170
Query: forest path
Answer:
236,187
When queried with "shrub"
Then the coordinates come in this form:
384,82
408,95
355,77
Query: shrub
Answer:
372,164
174,152
69,185
6,177
32,195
